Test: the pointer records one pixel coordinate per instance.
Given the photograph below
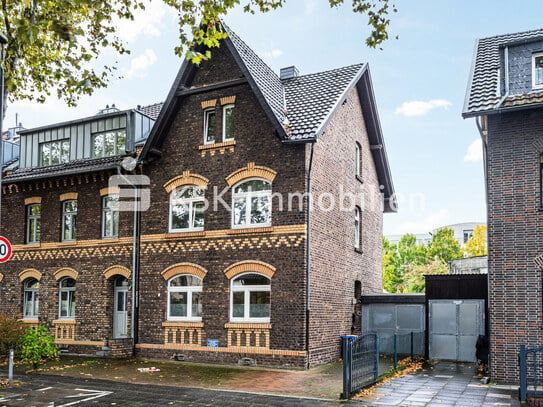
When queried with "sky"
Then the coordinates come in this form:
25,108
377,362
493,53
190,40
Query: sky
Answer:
419,81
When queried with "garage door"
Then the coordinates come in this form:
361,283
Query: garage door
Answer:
454,328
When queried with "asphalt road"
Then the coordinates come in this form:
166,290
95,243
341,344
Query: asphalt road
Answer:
58,391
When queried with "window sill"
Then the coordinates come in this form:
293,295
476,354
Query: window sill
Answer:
187,324
217,147
360,179
33,244
254,229
248,325
187,234
30,320
67,321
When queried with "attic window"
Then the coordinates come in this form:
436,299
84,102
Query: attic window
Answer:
537,70
55,152
109,143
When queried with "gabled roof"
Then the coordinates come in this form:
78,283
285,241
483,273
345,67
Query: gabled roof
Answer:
151,111
483,95
299,108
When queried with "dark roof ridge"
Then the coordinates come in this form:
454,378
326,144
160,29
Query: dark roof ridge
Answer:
511,34
360,64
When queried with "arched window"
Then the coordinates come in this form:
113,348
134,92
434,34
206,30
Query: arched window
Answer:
31,298
66,298
187,209
251,204
185,298
250,298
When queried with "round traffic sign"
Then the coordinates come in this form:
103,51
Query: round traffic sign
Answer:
5,249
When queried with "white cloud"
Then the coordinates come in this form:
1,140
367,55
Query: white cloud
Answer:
274,53
420,108
146,22
139,65
475,152
426,224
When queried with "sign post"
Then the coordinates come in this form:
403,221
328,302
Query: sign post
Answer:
5,249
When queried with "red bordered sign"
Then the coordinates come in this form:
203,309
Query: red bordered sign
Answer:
5,249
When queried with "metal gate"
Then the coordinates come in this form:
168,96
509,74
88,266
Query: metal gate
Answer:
454,328
360,362
531,372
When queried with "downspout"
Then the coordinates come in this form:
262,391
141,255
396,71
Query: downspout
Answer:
506,76
308,255
135,261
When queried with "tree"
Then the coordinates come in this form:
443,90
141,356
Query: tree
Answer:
52,44
391,274
413,279
11,332
199,21
444,246
476,245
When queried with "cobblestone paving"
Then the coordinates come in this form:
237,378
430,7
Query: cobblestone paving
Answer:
447,385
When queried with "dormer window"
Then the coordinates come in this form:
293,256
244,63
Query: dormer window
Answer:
54,152
537,70
109,143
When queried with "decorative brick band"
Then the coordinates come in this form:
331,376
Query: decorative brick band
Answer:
186,179
209,103
67,196
65,272
220,147
30,273
109,191
251,171
184,268
117,270
233,349
228,100
249,265
33,200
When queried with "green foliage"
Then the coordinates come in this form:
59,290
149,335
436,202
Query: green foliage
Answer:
444,246
38,345
51,44
11,332
413,279
199,21
476,245
405,264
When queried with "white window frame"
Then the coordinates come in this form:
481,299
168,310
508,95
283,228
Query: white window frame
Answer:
190,202
207,112
106,209
117,148
70,292
72,215
34,302
248,196
224,109
534,84
36,219
357,218
186,289
247,289
358,157
64,152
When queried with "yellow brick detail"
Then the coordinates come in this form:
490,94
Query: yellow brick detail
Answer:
33,200
65,272
184,268
186,179
67,196
251,171
249,265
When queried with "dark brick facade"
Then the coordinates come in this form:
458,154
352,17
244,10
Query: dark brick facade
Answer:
515,232
336,265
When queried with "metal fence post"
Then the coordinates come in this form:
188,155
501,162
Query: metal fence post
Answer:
412,345
376,357
346,367
395,351
10,366
523,373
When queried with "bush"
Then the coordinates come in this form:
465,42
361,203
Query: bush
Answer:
12,331
37,345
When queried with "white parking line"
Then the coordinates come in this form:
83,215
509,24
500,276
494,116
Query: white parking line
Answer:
44,389
93,394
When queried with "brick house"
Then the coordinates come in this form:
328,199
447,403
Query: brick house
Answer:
505,95
222,266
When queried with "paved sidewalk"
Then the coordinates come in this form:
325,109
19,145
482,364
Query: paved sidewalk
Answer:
448,384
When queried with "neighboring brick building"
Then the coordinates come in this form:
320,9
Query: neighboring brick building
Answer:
505,95
212,284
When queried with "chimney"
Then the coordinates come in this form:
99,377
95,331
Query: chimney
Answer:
288,73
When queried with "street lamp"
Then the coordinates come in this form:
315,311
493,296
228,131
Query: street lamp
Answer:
3,42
